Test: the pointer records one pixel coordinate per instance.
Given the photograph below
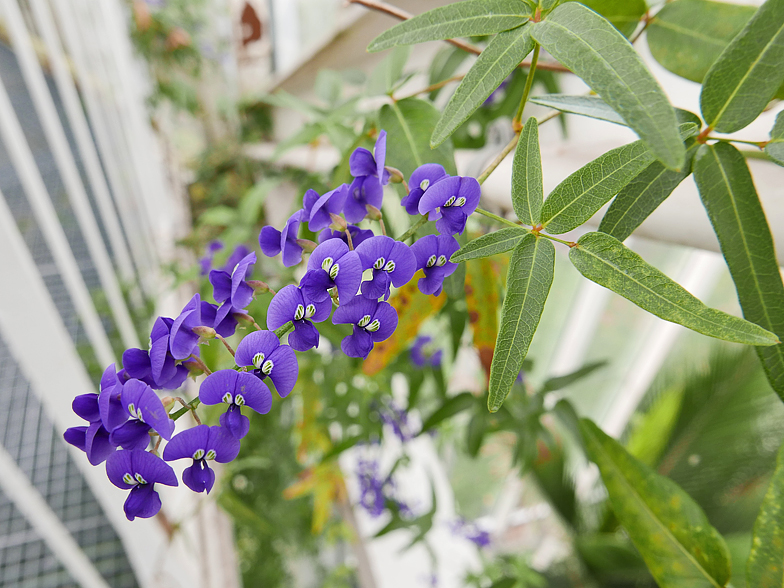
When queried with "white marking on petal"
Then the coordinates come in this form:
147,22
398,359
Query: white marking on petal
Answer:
441,260
239,400
424,184
266,369
327,263
198,454
228,398
460,201
140,479
299,313
129,479
210,454
449,202
258,359
379,263
390,266
310,310
374,326
333,272
431,261
364,321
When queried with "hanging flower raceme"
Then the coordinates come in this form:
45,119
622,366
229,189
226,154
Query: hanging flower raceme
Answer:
357,235
145,411
332,265
370,177
432,253
157,367
422,178
273,241
139,471
236,389
391,261
202,444
318,209
263,351
93,439
451,201
290,304
373,322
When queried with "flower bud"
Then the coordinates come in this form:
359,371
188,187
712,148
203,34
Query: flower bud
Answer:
205,332
260,287
395,175
338,222
307,245
373,212
167,402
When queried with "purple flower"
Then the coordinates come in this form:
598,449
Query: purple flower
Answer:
371,486
290,304
147,412
421,179
263,351
357,235
139,471
273,241
182,340
318,208
219,318
93,439
453,199
206,261
236,389
156,367
373,322
240,252
392,263
432,253
420,356
231,287
370,177
109,404
332,265
202,444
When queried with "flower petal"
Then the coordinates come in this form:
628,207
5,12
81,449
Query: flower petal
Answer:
215,386
361,163
437,194
285,370
186,443
97,444
225,445
332,248
221,285
283,306
358,344
256,342
305,336
387,316
76,436
349,276
432,172
423,248
131,435
270,241
235,422
143,502
86,406
254,392
315,284
371,250
198,477
351,313
242,293
117,465
136,363
405,264
153,469
380,155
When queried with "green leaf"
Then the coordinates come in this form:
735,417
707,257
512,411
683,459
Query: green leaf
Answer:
583,193
603,259
409,123
497,61
527,286
775,147
624,15
491,244
591,106
747,74
669,529
728,194
567,380
687,36
651,432
594,50
449,408
765,567
221,216
461,19
444,66
527,189
640,197
386,75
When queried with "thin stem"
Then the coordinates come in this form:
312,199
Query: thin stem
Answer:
757,144
414,228
189,407
433,87
350,242
383,226
403,15
495,217
280,331
192,405
529,81
498,159
225,344
646,18
157,445
569,243
197,360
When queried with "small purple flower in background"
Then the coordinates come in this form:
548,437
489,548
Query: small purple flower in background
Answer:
370,177
397,418
392,263
290,304
147,412
371,486
263,351
332,265
231,287
454,198
237,389
156,367
317,212
421,179
182,340
357,235
206,261
202,444
472,532
273,241
373,322
495,93
432,253
93,439
240,252
139,471
422,356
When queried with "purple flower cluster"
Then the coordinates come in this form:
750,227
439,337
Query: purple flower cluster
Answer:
351,268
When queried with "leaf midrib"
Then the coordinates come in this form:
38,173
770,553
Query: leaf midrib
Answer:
669,302
634,202
491,244
407,132
652,515
689,33
717,118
